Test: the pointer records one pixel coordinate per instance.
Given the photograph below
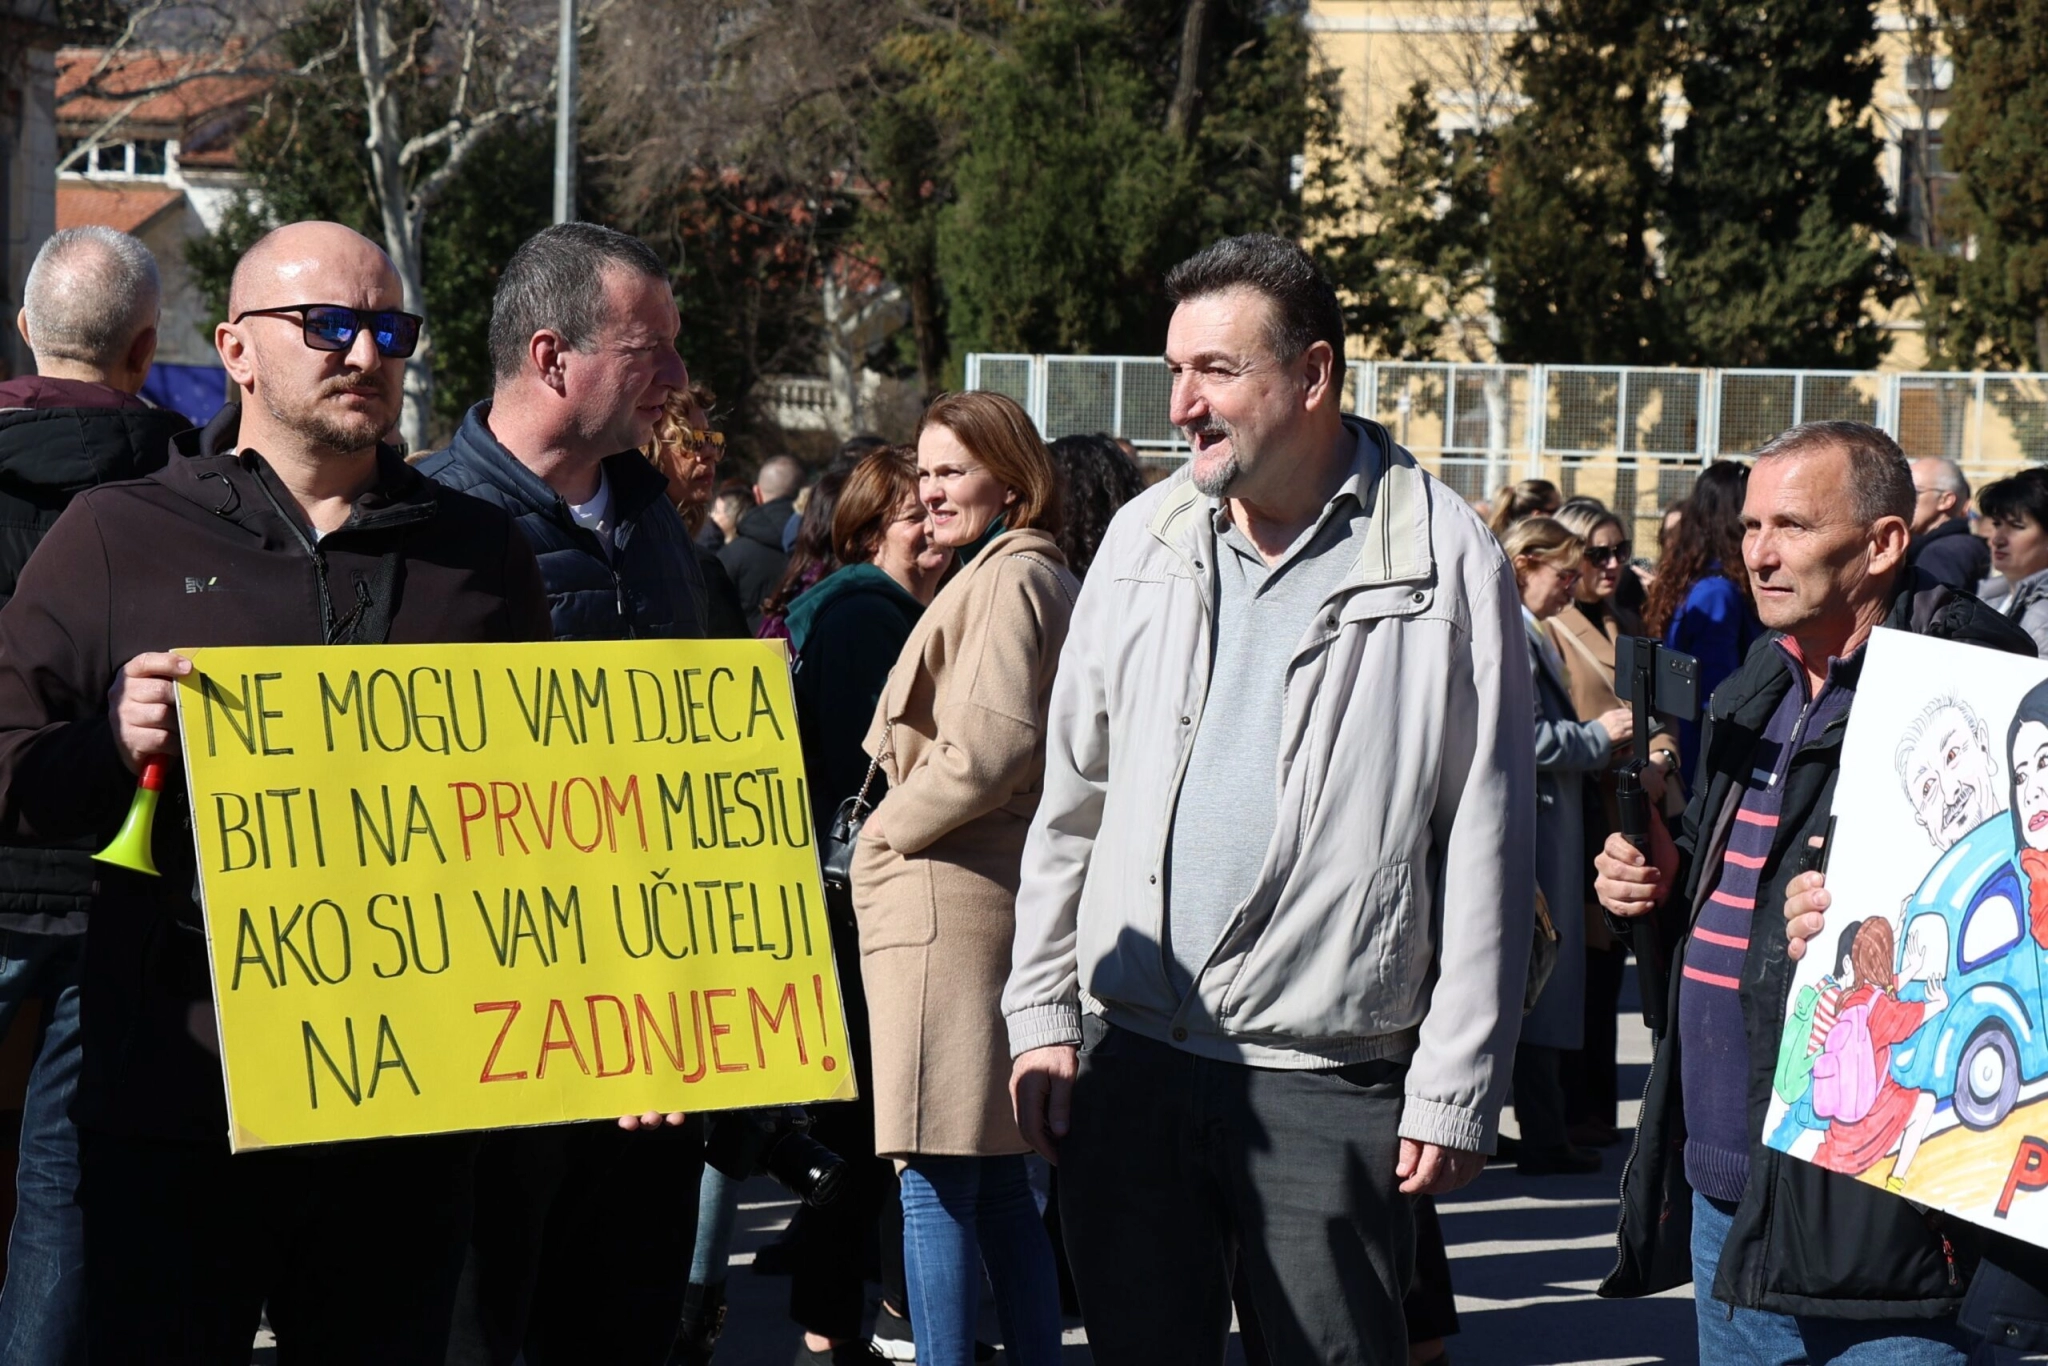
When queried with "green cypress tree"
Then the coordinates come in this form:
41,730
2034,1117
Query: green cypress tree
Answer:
1775,233
1989,305
1578,183
1417,273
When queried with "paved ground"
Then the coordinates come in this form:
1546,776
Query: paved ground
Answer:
1526,1254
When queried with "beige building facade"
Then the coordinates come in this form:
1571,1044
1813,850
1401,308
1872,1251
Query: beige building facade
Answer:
1379,49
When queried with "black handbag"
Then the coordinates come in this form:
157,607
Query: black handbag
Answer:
836,857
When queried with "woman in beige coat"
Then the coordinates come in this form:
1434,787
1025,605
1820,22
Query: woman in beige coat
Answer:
960,733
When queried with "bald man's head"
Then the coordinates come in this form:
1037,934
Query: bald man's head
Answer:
294,395
285,257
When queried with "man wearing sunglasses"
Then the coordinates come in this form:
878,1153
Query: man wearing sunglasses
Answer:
583,1232
284,522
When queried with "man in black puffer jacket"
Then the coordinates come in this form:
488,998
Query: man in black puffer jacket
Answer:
92,303
754,556
1787,1259
583,1231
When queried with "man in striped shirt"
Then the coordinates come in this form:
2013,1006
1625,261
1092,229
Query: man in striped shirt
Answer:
1789,1261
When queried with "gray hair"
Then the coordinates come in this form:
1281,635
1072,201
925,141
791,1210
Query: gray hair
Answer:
1880,479
90,293
1921,724
1305,308
1948,477
555,283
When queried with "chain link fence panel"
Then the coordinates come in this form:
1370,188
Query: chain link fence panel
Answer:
1635,438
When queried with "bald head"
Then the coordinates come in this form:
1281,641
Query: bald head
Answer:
91,294
289,265
780,477
301,403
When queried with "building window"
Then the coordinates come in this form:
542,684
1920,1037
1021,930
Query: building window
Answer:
1924,182
1929,72
146,158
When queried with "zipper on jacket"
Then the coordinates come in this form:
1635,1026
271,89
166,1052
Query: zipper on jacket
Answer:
1948,1254
313,552
1635,1147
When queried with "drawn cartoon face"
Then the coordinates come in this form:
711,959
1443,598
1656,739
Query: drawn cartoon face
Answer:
2030,783
1949,779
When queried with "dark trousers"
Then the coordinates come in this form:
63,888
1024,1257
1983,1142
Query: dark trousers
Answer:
1431,1309
1591,1087
581,1246
355,1247
830,1257
1177,1169
1539,1098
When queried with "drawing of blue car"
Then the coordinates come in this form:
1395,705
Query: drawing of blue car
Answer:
1969,922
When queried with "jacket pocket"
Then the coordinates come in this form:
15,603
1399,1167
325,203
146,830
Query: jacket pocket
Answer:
1828,1238
1352,973
893,901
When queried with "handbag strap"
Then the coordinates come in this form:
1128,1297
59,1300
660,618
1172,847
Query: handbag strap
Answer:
874,765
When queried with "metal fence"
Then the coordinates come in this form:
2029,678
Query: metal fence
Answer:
1635,438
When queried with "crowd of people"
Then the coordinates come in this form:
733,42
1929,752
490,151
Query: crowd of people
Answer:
1236,844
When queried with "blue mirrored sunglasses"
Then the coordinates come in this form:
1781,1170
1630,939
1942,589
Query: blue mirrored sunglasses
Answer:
334,327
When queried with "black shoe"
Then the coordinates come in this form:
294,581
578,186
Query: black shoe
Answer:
845,1354
1592,1134
1565,1161
703,1320
893,1340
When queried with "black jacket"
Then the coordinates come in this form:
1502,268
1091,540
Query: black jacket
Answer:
209,550
724,618
47,455
1952,554
649,587
754,556
846,631
1805,1240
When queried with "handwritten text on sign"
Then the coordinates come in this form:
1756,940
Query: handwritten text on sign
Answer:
470,886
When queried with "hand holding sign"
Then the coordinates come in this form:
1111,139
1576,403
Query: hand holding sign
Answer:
142,707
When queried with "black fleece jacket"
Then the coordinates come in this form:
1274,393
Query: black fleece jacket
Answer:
210,550
65,437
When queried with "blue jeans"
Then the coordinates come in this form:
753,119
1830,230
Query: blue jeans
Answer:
42,1305
1751,1337
962,1212
718,1209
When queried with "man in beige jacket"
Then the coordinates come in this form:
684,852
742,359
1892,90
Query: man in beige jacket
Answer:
1276,902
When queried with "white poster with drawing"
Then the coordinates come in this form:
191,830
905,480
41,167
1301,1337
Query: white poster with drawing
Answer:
1914,1055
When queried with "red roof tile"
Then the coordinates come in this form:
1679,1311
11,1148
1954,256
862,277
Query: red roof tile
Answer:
143,70
124,208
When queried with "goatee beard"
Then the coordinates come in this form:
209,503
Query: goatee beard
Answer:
1216,480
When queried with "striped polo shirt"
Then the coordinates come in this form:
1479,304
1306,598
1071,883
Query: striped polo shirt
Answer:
1714,1067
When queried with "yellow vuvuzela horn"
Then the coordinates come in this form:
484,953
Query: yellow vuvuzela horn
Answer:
130,848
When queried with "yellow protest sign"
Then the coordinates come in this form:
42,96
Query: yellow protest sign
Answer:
470,886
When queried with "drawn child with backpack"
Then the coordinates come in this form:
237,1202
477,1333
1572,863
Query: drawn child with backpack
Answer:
1813,1014
1869,1113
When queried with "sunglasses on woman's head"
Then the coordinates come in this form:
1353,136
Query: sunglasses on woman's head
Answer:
1604,555
335,327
